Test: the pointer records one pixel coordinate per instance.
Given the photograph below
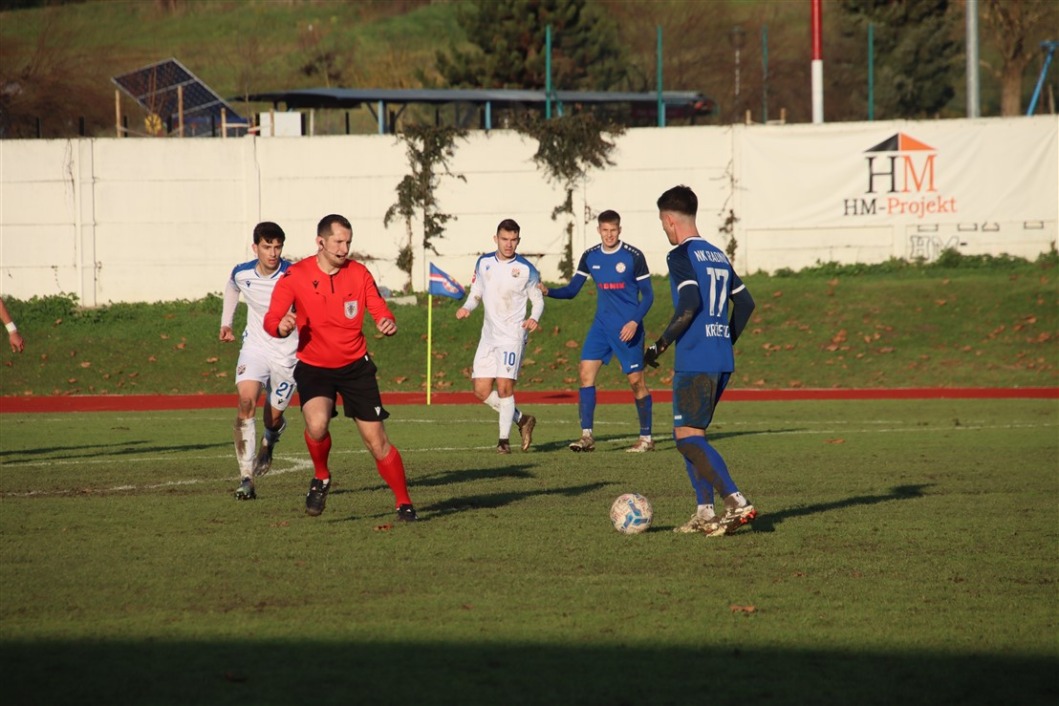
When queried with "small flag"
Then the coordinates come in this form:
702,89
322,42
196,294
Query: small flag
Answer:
443,285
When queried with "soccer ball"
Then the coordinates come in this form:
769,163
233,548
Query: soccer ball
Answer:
631,513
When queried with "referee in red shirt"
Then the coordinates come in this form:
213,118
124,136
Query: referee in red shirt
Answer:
325,298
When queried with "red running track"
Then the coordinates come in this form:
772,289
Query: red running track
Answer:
146,403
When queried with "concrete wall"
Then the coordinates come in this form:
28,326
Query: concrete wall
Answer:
123,220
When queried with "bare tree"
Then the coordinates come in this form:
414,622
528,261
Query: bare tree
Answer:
1016,28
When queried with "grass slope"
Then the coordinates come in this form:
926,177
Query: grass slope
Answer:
234,47
852,327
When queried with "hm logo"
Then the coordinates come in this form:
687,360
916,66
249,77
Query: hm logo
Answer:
912,170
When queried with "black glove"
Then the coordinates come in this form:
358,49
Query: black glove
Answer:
650,356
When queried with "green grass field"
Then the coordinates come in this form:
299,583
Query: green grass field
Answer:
905,553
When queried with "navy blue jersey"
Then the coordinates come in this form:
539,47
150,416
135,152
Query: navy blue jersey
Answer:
623,284
706,346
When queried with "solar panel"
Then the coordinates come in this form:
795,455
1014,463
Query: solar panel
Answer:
155,88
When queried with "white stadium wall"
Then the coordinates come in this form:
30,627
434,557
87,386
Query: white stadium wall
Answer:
127,220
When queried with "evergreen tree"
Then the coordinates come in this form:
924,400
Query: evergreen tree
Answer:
508,46
916,52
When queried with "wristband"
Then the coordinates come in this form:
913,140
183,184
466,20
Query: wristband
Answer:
11,328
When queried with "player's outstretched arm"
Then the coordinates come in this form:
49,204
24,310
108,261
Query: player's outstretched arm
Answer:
570,290
687,306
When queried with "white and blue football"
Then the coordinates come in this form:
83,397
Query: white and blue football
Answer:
631,513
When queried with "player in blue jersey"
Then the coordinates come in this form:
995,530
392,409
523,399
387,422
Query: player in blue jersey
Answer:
702,282
623,297
264,361
503,283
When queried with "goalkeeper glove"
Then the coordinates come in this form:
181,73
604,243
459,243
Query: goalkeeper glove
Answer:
650,356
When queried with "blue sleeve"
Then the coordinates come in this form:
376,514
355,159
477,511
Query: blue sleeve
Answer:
647,298
570,290
742,308
688,303
688,298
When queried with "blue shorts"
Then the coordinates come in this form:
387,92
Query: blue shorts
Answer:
602,344
695,395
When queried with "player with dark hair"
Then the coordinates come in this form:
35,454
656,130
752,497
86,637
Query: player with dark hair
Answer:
702,282
330,295
264,361
623,297
503,283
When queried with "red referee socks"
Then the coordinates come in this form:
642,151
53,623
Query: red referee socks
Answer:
318,452
391,469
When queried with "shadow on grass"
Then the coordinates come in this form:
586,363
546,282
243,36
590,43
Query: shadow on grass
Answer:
488,501
466,475
484,501
124,448
767,521
610,443
335,672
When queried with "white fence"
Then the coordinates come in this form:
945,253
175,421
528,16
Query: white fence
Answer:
124,220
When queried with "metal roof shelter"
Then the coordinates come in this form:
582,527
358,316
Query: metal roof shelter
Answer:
677,103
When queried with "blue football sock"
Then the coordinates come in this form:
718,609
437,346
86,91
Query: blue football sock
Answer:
703,489
643,411
586,406
707,464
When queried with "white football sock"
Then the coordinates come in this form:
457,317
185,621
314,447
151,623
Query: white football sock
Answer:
245,445
507,415
493,401
735,501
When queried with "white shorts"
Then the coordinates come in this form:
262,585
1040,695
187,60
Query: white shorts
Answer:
497,361
276,374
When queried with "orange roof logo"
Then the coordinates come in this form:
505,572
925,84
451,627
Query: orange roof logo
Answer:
900,142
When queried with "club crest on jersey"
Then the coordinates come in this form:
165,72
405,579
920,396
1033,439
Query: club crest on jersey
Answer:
620,267
516,272
351,309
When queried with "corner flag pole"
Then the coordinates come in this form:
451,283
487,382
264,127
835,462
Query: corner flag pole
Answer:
430,341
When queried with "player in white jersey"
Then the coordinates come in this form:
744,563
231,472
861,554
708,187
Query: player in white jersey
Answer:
264,361
503,283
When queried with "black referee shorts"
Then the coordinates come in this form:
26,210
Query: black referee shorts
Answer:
355,382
